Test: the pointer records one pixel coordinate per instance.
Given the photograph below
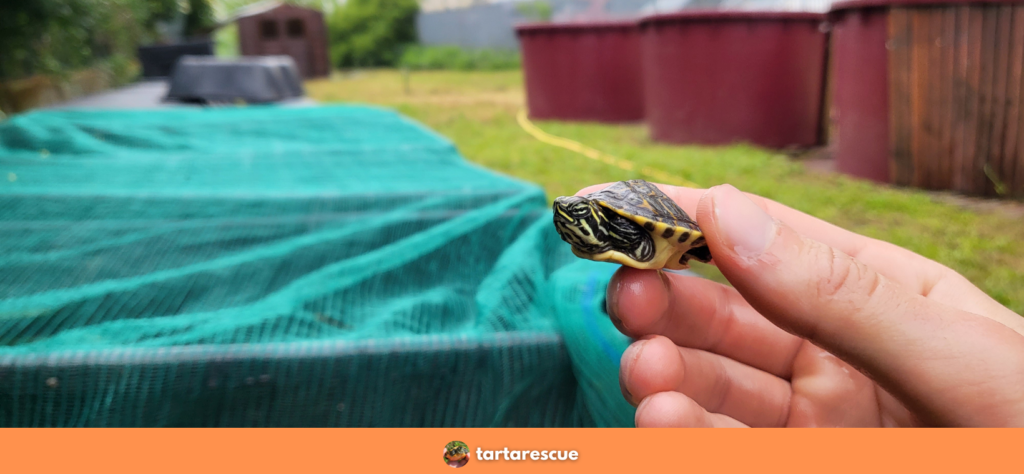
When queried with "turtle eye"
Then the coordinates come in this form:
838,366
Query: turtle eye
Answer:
573,205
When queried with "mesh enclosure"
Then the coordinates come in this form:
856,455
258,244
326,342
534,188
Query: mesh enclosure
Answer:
594,344
273,266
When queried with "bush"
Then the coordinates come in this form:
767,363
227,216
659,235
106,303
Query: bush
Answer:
54,37
366,33
456,58
200,21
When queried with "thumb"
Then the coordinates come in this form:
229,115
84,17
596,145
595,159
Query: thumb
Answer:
933,357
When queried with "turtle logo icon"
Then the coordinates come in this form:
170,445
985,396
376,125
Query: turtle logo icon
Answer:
456,454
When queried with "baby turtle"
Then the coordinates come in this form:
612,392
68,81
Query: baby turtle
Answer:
632,223
456,454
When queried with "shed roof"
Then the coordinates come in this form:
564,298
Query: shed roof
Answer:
259,8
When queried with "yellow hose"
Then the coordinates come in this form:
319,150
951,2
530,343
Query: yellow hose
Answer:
658,175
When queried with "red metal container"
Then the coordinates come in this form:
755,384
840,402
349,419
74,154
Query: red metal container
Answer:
860,92
583,71
725,77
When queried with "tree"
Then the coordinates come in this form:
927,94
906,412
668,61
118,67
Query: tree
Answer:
200,20
56,36
372,32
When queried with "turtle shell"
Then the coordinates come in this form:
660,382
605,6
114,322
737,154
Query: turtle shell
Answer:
676,237
645,204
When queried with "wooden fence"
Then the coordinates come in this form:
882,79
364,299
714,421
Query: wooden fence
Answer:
956,92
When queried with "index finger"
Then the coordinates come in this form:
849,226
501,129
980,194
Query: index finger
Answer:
817,229
916,273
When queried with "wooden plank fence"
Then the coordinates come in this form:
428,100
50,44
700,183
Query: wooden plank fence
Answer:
956,111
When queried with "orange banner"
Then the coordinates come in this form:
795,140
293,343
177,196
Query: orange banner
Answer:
511,450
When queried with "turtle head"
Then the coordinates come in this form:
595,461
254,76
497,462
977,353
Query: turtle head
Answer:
575,205
592,230
581,222
456,449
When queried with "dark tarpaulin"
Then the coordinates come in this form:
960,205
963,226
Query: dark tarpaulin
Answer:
258,79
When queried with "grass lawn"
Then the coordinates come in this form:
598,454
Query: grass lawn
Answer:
477,111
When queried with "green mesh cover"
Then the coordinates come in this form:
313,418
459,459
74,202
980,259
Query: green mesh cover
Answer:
271,266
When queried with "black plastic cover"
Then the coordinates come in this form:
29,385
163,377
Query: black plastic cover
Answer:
249,79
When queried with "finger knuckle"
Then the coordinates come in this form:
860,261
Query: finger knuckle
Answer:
721,388
844,277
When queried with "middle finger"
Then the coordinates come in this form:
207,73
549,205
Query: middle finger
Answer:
700,314
719,384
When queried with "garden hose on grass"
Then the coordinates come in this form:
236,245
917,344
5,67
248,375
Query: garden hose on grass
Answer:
593,154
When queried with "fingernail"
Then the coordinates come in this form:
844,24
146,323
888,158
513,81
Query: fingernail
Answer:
629,357
625,392
664,279
611,297
639,408
617,323
642,296
611,305
743,225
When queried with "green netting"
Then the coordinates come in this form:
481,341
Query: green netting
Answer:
269,266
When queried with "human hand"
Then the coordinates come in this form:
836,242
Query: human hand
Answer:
822,327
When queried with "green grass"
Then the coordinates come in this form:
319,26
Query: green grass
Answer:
477,111
225,41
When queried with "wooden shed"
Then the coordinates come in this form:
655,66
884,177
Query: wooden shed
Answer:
274,28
